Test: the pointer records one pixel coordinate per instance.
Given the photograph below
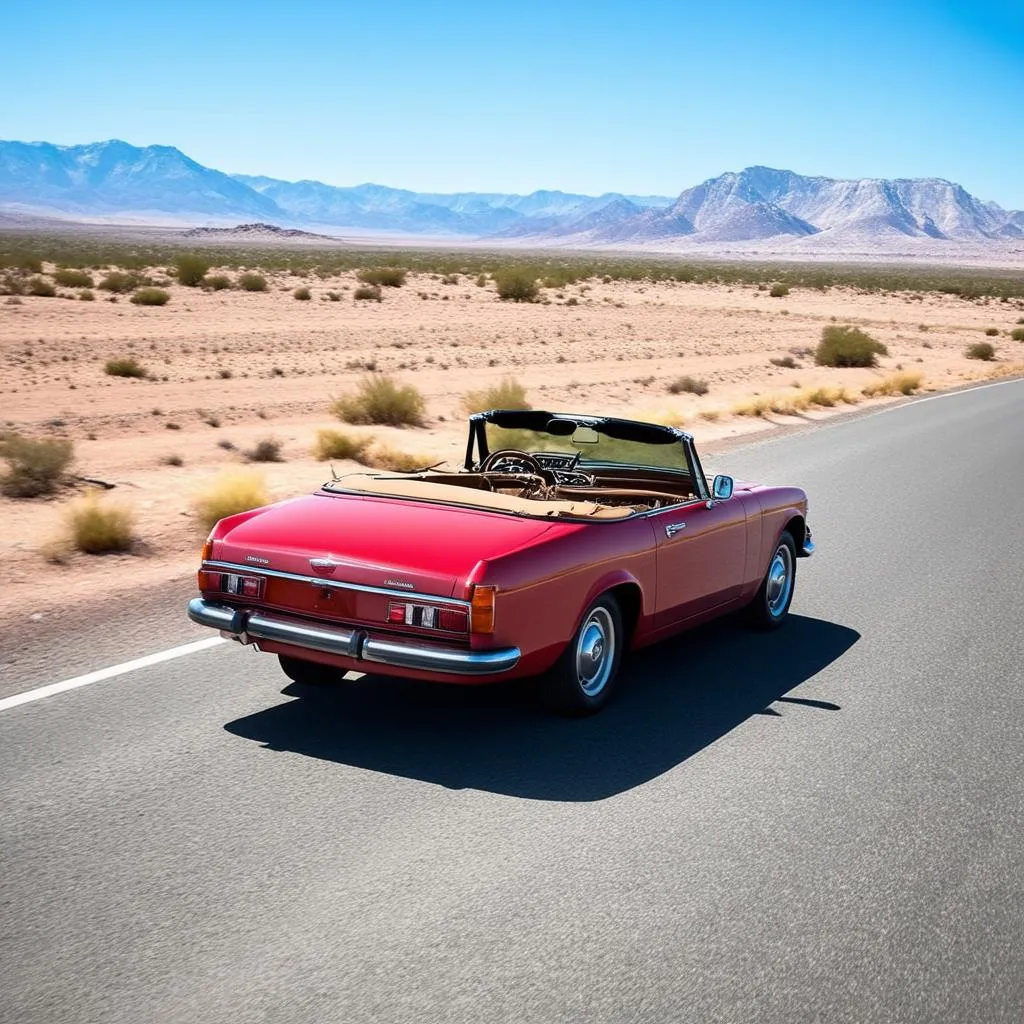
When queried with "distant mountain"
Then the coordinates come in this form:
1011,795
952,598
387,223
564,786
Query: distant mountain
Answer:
263,231
114,179
761,202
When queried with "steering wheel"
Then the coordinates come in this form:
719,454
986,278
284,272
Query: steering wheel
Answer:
511,460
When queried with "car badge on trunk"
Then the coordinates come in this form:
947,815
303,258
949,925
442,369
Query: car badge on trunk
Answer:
257,560
324,566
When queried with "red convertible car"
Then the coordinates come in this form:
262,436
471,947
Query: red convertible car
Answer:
563,541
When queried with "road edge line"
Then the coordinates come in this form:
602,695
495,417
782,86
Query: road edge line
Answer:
41,692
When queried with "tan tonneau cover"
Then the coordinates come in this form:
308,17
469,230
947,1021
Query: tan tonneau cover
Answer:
425,489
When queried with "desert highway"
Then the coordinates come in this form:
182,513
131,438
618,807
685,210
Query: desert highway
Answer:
822,824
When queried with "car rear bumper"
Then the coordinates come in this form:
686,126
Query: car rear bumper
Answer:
357,644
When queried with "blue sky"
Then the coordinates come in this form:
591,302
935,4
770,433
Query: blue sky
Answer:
588,97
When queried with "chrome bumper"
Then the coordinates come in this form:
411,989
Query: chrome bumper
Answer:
349,643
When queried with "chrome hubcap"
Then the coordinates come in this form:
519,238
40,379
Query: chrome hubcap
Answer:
780,581
595,652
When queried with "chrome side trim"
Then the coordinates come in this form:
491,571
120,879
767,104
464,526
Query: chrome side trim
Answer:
320,581
351,643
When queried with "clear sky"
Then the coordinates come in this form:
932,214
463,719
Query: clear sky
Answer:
581,96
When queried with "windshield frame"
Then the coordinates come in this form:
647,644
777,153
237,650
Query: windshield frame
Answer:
477,448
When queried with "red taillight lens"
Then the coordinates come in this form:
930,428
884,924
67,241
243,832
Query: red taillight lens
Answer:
229,583
428,616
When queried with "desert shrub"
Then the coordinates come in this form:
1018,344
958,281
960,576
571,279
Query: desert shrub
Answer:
689,386
449,279
572,301
786,362
333,444
252,283
41,287
151,297
509,394
777,291
172,460
481,281
388,277
266,450
119,282
225,374
367,292
516,285
231,492
983,350
904,383
34,467
190,269
379,399
385,457
334,296
991,332
125,366
1017,334
302,294
847,346
97,527
86,296
218,283
68,278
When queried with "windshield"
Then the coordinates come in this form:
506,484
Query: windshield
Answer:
592,440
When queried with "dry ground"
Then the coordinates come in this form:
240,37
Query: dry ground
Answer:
230,368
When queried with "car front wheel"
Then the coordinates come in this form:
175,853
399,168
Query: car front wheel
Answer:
583,678
770,606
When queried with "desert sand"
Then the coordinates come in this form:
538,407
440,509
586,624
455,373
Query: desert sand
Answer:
229,368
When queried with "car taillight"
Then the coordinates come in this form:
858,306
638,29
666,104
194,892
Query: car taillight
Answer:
231,583
428,616
482,606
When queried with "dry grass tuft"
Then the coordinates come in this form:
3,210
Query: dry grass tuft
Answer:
385,457
98,527
509,394
333,444
125,366
266,450
904,383
35,467
983,350
381,400
231,492
688,386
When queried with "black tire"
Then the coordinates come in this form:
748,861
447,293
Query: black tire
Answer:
569,688
312,673
771,604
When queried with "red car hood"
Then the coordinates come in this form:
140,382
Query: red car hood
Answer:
379,542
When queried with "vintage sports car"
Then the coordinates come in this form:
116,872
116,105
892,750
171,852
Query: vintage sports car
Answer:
564,541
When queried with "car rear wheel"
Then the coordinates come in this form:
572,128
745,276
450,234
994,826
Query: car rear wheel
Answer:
584,677
313,673
770,606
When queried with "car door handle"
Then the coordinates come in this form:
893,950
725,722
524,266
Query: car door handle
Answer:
673,528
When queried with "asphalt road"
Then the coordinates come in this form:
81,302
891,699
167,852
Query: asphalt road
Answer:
823,824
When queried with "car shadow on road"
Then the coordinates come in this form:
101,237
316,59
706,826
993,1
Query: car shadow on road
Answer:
675,699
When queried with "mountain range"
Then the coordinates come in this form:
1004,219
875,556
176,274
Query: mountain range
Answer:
111,180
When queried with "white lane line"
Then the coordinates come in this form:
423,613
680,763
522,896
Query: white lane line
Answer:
108,673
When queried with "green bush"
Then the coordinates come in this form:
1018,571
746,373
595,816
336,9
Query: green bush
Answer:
302,294
779,290
40,286
379,399
509,394
983,350
847,346
68,278
252,283
34,467
218,283
125,366
991,332
1017,334
516,285
368,293
151,297
388,277
689,386
119,282
86,296
190,269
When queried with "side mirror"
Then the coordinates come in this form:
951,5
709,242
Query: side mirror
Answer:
721,489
